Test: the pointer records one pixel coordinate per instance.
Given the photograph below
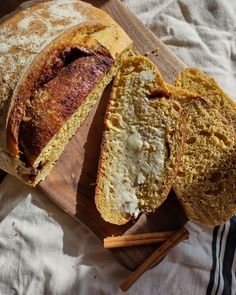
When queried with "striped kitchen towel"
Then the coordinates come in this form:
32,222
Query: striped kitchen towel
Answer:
222,275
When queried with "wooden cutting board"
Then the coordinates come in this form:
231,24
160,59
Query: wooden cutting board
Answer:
71,182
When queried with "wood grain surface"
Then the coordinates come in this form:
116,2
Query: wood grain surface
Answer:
71,182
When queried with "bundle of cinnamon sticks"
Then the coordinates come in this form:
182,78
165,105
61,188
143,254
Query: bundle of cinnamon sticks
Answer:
169,240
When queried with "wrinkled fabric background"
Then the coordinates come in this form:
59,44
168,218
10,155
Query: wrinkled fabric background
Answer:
45,251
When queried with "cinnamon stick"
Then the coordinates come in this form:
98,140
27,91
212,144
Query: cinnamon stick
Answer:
155,257
137,239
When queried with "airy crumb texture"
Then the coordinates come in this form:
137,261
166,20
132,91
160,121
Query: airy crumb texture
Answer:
142,143
196,81
205,184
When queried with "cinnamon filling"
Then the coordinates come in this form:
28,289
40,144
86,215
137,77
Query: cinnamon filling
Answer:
61,88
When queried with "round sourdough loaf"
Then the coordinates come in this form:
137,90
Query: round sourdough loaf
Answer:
56,58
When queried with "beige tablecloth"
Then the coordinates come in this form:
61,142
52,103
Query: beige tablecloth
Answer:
44,251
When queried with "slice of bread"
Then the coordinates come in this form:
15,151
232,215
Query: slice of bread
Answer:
205,184
142,143
196,81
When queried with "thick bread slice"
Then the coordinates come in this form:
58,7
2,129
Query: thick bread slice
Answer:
56,58
196,81
205,183
142,144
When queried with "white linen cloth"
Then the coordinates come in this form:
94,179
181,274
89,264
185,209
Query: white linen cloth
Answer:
45,251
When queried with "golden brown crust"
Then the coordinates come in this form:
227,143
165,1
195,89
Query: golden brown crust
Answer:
196,81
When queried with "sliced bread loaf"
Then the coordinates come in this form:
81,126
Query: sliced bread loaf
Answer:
196,81
54,66
142,144
205,184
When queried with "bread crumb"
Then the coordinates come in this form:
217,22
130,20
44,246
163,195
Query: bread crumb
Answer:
153,51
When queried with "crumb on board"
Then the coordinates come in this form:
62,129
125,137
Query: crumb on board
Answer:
153,51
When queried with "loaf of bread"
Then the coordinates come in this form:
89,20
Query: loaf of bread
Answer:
205,183
56,58
142,143
196,81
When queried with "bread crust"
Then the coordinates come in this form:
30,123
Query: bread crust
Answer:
52,25
198,82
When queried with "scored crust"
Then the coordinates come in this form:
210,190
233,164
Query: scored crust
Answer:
205,184
142,143
32,36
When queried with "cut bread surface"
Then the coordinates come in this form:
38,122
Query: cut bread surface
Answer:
142,143
57,100
205,183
